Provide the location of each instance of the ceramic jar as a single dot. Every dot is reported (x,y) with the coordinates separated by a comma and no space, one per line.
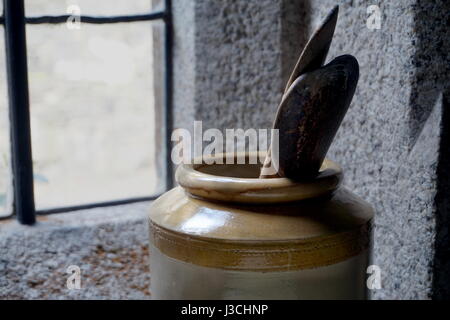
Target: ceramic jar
(225,234)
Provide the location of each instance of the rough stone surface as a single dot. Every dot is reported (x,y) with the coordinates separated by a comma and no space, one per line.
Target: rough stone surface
(184,62)
(230,63)
(392,141)
(108,244)
(389,143)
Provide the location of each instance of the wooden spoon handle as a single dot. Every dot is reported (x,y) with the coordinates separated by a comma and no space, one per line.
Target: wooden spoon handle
(315,52)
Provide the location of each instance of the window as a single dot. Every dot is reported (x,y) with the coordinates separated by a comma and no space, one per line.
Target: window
(86,120)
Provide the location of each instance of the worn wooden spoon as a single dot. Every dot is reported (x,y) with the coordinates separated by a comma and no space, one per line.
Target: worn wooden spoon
(312,57)
(309,117)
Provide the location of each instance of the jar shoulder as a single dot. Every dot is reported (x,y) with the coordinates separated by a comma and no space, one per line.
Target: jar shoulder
(340,212)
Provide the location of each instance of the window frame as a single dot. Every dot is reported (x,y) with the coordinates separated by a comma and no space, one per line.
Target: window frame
(14,21)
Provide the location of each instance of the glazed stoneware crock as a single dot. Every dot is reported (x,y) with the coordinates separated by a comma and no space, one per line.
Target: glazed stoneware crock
(225,234)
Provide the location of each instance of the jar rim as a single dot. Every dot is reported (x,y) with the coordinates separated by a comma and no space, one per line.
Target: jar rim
(207,185)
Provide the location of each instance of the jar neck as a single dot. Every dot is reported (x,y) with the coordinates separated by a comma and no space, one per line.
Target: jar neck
(240,183)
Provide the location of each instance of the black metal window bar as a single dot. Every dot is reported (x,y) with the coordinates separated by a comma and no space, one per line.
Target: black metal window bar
(14,21)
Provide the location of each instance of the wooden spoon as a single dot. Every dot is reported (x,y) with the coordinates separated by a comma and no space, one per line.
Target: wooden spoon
(309,116)
(312,57)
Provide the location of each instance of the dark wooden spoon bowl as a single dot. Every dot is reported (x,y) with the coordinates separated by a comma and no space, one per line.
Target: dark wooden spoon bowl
(309,116)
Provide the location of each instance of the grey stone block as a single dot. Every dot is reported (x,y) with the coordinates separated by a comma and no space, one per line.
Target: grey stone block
(232,59)
(390,141)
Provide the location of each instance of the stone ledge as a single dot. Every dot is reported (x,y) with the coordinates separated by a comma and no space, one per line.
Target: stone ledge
(108,244)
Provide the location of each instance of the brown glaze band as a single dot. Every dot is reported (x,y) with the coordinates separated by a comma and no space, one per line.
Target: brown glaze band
(262,256)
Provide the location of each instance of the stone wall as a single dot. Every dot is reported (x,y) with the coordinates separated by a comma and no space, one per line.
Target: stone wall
(232,59)
(390,141)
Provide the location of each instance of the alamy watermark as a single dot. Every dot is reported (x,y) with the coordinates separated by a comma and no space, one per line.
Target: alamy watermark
(373,22)
(74,20)
(206,146)
(74,280)
(374,280)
